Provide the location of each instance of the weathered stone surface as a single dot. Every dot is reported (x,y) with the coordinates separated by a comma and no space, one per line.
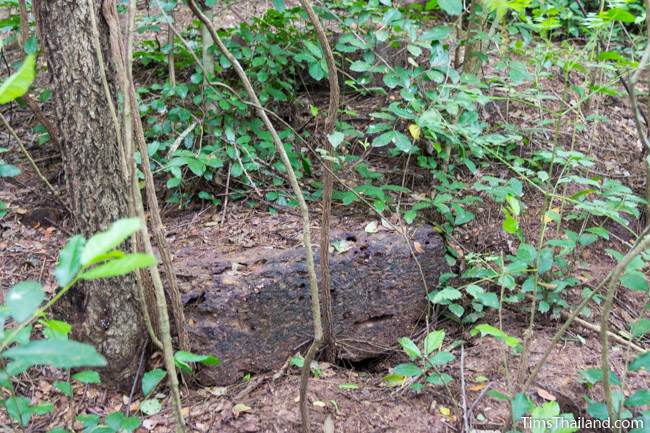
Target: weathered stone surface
(252,310)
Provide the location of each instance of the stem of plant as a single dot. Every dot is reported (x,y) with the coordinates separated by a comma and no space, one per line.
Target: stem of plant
(311,269)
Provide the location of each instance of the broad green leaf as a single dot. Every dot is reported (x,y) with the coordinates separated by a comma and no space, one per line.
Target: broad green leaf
(598,410)
(118,267)
(63,387)
(446,294)
(279,5)
(151,379)
(182,360)
(335,138)
(150,407)
(8,170)
(409,347)
(87,376)
(640,328)
(105,241)
(18,409)
(407,370)
(545,261)
(439,379)
(485,329)
(441,358)
(635,280)
(56,353)
(55,329)
(23,299)
(594,375)
(69,260)
(639,398)
(519,73)
(18,83)
(452,7)
(433,341)
(641,362)
(521,405)
(394,379)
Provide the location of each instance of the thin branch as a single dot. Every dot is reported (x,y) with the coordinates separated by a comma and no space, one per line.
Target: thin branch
(328,184)
(612,286)
(313,281)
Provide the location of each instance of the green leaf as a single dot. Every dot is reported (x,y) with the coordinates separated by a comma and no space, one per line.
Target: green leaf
(488,299)
(635,280)
(519,73)
(151,379)
(87,376)
(598,410)
(407,370)
(594,375)
(485,329)
(279,5)
(105,241)
(439,379)
(409,348)
(640,328)
(446,294)
(150,407)
(452,7)
(521,405)
(639,398)
(441,358)
(348,386)
(8,170)
(335,138)
(526,253)
(18,83)
(641,362)
(69,260)
(23,299)
(433,341)
(63,387)
(545,261)
(182,360)
(118,267)
(18,409)
(56,353)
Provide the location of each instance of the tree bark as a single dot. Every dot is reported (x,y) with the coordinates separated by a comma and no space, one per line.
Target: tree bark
(252,309)
(105,313)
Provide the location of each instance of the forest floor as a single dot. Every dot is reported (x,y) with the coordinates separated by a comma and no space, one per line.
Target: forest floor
(34,230)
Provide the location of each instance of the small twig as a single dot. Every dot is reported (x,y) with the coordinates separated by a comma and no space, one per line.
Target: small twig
(135,379)
(466,420)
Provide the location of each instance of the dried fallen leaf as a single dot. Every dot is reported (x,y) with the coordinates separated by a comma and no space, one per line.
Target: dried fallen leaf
(240,408)
(477,387)
(418,247)
(372,227)
(319,403)
(545,394)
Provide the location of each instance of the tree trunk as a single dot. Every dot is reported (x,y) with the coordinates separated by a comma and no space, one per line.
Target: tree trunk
(105,313)
(252,310)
